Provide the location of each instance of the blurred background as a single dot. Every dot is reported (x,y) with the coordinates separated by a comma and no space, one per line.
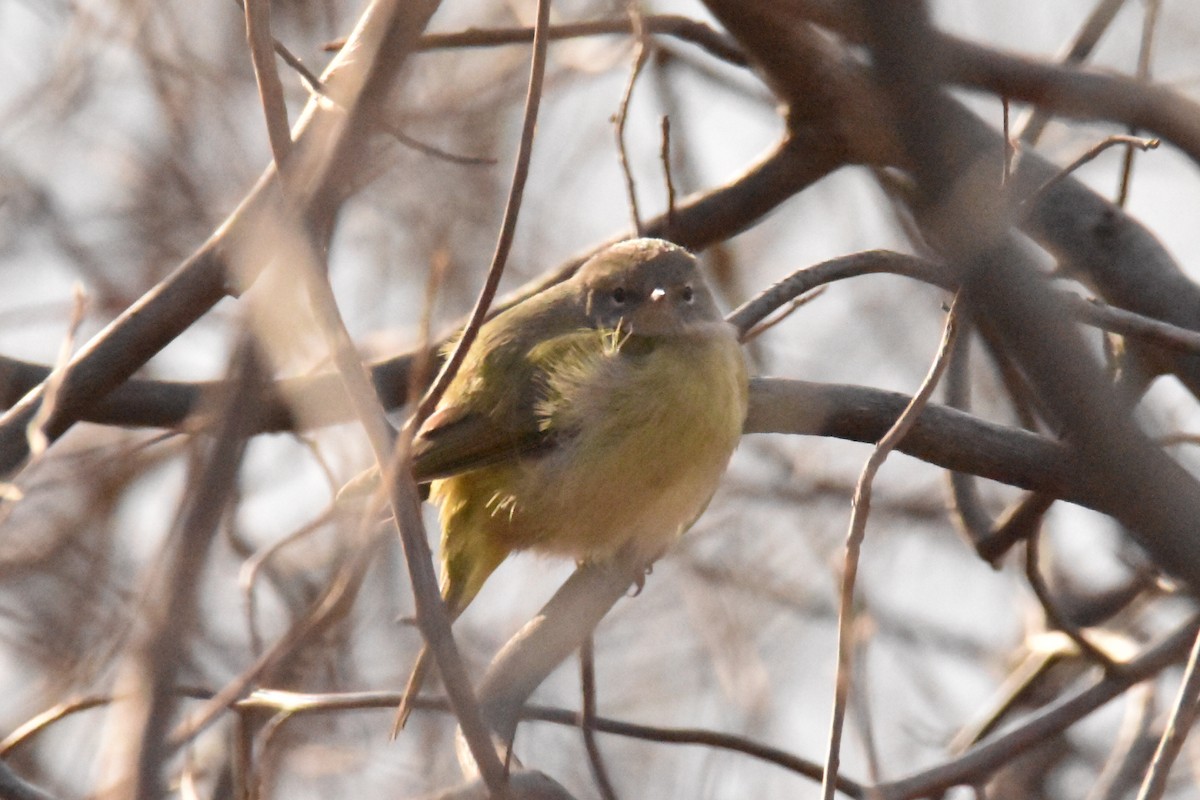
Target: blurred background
(129,129)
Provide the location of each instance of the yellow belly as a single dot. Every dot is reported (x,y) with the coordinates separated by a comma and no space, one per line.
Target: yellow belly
(652,436)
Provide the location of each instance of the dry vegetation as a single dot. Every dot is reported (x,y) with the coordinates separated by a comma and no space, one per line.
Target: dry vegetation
(196,354)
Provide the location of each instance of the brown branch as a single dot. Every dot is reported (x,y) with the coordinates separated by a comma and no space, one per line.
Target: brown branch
(836,105)
(270,88)
(149,403)
(1150,493)
(1092,152)
(173,594)
(665,157)
(854,539)
(977,764)
(966,505)
(640,54)
(432,616)
(683,28)
(395,465)
(1074,92)
(1131,752)
(1081,47)
(326,142)
(329,606)
(1149,24)
(700,737)
(802,281)
(1054,616)
(298,703)
(552,637)
(1183,715)
(35,431)
(587,719)
(1019,522)
(1066,90)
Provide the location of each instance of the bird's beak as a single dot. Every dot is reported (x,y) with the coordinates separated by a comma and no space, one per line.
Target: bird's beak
(657,294)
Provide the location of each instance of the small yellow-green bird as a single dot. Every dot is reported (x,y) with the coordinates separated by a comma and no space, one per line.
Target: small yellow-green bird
(597,414)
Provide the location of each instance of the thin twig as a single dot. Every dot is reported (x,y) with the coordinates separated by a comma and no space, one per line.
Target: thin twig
(298,703)
(1149,23)
(966,505)
(316,86)
(1131,751)
(533,98)
(665,156)
(1187,703)
(1010,146)
(970,768)
(977,764)
(291,59)
(641,54)
(854,540)
(874,262)
(1054,617)
(329,606)
(1020,521)
(270,88)
(256,776)
(867,262)
(791,308)
(421,373)
(1085,41)
(241,757)
(862,709)
(249,571)
(686,29)
(39,722)
(1092,152)
(35,430)
(174,593)
(432,615)
(587,719)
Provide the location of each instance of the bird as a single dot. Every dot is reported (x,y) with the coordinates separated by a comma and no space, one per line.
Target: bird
(595,416)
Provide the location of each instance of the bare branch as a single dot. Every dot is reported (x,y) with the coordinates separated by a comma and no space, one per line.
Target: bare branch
(854,540)
(1183,715)
(270,88)
(325,140)
(640,54)
(587,719)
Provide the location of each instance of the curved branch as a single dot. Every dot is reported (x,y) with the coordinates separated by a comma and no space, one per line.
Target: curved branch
(976,765)
(1065,89)
(680,27)
(325,143)
(833,99)
(1150,493)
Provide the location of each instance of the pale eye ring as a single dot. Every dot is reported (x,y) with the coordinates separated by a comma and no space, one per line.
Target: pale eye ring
(619,295)
(688,294)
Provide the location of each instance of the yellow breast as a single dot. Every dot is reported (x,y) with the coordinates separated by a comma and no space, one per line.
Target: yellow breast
(649,436)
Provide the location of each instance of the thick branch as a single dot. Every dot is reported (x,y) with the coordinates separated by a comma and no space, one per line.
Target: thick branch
(326,142)
(1152,495)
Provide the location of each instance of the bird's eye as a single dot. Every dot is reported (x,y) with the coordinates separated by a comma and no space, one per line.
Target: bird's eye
(688,294)
(619,295)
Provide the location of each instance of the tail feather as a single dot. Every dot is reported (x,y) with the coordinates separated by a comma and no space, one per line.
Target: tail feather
(467,563)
